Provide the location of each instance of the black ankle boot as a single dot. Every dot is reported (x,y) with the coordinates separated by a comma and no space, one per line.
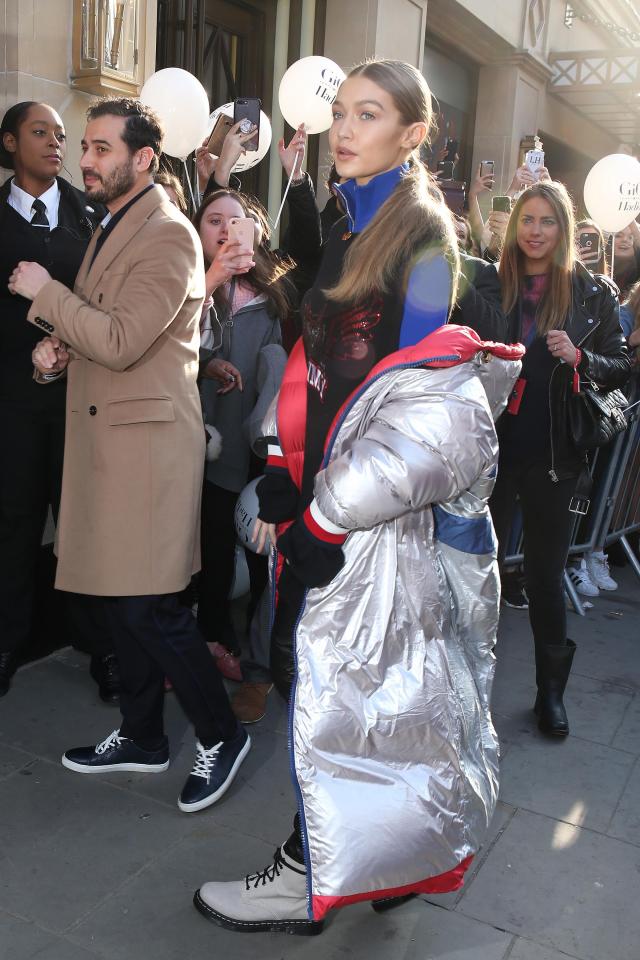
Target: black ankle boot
(553,669)
(6,671)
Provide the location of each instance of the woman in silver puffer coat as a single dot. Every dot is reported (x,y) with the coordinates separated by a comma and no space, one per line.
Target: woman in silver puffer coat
(382,456)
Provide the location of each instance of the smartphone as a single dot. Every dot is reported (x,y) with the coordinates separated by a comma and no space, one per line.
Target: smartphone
(242,230)
(218,135)
(452,149)
(501,204)
(248,109)
(591,241)
(534,159)
(445,169)
(486,168)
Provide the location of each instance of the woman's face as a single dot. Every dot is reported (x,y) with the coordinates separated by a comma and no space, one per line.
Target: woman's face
(39,147)
(367,136)
(462,233)
(624,244)
(538,233)
(215,223)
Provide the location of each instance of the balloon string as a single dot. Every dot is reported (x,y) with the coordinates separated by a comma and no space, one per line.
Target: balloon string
(613,251)
(291,176)
(186,173)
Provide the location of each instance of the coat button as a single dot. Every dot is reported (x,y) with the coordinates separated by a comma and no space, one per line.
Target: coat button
(589,320)
(595,289)
(93,410)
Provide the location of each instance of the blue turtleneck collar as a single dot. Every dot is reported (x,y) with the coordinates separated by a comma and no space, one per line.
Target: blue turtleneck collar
(362,203)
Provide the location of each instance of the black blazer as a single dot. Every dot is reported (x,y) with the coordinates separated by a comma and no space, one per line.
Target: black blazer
(61,251)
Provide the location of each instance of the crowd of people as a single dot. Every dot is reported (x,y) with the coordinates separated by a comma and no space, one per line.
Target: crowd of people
(400,379)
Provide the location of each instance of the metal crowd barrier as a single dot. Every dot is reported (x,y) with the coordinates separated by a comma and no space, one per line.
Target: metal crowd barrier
(614,511)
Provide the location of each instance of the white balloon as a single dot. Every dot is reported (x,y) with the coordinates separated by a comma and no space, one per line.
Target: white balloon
(246,514)
(182,104)
(252,157)
(307,92)
(612,191)
(241,583)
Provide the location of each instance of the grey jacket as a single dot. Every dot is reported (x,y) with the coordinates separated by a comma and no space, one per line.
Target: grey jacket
(244,338)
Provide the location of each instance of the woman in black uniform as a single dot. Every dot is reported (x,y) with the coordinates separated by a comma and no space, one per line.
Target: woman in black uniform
(42,218)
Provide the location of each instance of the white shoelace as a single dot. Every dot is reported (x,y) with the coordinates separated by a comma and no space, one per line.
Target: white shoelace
(205,760)
(113,740)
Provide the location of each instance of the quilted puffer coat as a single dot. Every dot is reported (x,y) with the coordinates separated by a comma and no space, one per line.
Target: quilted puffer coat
(394,756)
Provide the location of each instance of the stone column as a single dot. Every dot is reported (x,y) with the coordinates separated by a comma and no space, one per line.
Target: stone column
(394,29)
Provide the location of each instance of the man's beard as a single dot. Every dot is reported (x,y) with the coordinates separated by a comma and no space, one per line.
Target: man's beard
(117,183)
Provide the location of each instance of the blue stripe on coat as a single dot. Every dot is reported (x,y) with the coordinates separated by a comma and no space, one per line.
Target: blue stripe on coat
(467,534)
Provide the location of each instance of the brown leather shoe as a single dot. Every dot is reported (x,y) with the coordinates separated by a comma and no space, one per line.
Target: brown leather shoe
(250,702)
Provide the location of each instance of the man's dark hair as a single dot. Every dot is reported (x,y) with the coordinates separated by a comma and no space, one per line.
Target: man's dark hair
(143,128)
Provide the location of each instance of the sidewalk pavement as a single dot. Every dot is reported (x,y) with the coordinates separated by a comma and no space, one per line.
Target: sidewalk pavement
(106,866)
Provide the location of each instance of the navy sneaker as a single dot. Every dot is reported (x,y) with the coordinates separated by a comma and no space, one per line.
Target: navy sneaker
(214,772)
(117,753)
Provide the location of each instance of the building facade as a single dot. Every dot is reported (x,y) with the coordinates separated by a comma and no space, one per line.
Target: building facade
(501,72)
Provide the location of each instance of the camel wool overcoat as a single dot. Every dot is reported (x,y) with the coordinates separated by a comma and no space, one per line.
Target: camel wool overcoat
(134,449)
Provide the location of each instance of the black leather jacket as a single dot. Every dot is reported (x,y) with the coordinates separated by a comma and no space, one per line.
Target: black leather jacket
(594,326)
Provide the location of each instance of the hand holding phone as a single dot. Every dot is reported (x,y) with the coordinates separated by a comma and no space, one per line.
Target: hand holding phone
(534,159)
(452,150)
(589,246)
(242,230)
(486,168)
(218,135)
(501,204)
(248,109)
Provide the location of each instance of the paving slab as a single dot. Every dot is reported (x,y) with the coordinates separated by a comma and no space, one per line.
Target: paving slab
(527,950)
(12,760)
(572,780)
(627,736)
(260,801)
(565,888)
(54,705)
(155,907)
(596,708)
(625,824)
(67,841)
(501,818)
(20,939)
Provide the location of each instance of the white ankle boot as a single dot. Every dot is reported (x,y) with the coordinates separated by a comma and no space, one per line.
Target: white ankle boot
(272,899)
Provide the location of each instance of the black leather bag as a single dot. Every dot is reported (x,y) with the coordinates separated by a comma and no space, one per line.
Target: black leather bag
(596,416)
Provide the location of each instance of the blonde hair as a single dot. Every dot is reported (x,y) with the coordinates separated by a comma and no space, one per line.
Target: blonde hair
(412,219)
(555,305)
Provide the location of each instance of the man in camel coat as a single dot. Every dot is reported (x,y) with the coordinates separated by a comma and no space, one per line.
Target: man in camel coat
(127,339)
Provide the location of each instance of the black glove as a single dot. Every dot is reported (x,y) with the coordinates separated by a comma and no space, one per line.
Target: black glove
(278,497)
(313,561)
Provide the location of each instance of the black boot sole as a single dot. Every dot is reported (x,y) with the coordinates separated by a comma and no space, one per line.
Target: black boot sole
(301,928)
(390,903)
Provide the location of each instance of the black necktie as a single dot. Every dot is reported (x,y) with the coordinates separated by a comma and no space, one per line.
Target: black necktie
(39,219)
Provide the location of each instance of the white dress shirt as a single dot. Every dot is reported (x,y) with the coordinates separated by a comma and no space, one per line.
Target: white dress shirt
(22,202)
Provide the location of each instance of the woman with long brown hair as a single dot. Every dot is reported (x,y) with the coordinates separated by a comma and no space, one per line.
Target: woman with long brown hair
(382,452)
(568,320)
(246,300)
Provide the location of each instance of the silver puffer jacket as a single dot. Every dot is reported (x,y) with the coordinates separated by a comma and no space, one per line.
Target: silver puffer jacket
(394,755)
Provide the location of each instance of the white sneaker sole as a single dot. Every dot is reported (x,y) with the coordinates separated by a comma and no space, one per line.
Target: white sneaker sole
(208,801)
(115,767)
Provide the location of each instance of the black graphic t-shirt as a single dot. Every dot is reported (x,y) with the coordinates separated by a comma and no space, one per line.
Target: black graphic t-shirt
(342,345)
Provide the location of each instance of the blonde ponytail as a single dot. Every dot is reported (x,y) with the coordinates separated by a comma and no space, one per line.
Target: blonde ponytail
(408,224)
